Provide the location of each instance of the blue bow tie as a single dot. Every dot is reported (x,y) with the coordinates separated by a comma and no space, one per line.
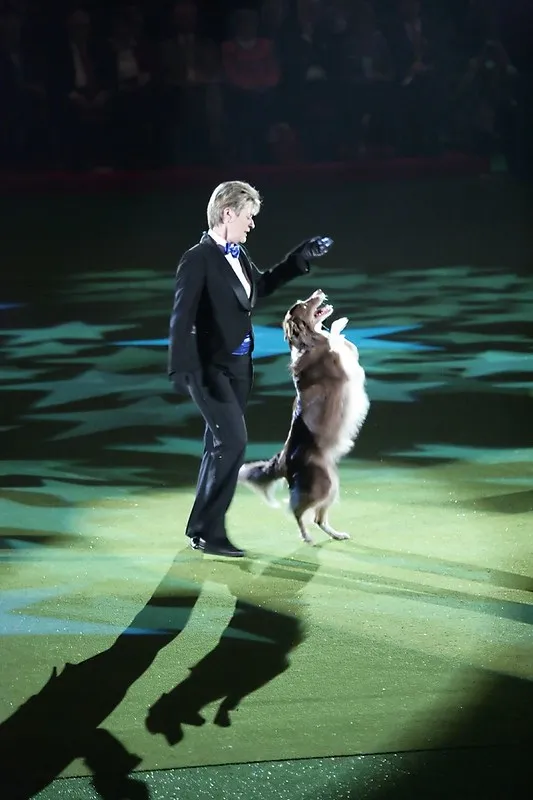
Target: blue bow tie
(233,249)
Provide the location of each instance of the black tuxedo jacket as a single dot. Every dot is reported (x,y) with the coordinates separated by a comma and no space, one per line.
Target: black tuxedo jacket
(212,312)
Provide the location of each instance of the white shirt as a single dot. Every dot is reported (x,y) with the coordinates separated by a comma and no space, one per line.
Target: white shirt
(234,263)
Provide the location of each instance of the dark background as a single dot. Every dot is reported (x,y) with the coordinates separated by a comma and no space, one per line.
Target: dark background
(314,98)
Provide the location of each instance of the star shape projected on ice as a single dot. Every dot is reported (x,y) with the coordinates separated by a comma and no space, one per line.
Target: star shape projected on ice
(121,360)
(93,384)
(17,374)
(9,306)
(475,455)
(270,341)
(76,471)
(40,469)
(152,412)
(494,362)
(68,331)
(77,492)
(165,444)
(44,348)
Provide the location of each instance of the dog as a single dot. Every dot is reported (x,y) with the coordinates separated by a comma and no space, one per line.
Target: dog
(329,410)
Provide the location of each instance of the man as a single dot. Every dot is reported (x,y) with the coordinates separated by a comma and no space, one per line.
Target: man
(211,343)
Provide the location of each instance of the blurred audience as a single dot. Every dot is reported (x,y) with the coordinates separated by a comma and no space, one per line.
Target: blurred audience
(23,107)
(138,84)
(309,99)
(131,67)
(416,45)
(367,75)
(252,76)
(191,97)
(78,88)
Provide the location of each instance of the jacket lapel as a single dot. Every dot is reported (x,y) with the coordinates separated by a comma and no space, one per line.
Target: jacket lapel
(232,279)
(246,264)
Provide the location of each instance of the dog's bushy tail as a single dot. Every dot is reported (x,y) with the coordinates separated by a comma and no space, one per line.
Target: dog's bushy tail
(262,476)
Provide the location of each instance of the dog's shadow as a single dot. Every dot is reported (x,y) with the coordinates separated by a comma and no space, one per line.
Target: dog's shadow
(253,650)
(61,722)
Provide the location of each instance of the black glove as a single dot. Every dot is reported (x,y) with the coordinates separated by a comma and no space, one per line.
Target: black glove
(314,248)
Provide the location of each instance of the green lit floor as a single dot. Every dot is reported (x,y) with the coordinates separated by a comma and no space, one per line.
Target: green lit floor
(413,638)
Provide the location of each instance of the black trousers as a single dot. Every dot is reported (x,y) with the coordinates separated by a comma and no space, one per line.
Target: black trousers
(221,394)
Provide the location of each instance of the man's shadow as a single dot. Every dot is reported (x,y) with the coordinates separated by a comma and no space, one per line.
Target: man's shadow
(254,648)
(62,722)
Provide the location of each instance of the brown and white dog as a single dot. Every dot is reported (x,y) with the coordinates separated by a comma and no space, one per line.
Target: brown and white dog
(330,407)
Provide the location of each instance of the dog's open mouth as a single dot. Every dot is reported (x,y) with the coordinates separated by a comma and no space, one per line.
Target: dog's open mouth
(323,310)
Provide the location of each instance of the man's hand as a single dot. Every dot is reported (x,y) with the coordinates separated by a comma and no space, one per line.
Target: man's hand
(314,248)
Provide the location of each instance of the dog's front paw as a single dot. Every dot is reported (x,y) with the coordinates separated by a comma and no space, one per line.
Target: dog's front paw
(339,535)
(338,326)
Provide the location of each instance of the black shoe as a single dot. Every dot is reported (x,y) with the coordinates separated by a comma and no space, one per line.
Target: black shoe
(225,549)
(196,543)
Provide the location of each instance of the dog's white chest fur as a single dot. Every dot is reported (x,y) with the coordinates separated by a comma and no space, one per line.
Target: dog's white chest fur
(356,402)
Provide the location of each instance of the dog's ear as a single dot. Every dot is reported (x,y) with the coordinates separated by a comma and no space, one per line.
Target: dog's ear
(289,328)
(294,329)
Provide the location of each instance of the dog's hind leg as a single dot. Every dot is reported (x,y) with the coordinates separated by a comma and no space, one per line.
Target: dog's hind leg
(304,533)
(318,491)
(300,503)
(321,519)
(321,512)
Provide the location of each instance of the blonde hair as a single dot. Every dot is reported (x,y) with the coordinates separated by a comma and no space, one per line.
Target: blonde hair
(231,194)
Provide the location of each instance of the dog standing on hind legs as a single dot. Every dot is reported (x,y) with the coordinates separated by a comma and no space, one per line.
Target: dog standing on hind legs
(329,410)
